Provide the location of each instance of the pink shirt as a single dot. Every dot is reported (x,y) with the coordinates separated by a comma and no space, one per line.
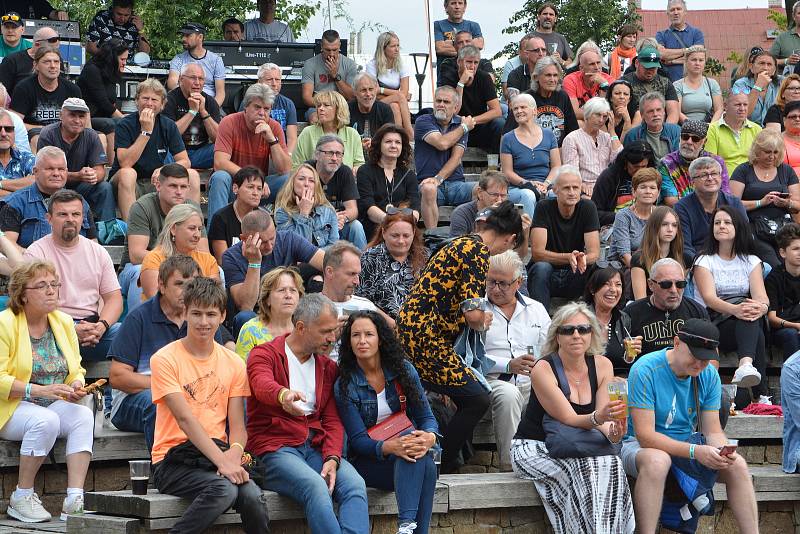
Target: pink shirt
(85,270)
(792,154)
(580,150)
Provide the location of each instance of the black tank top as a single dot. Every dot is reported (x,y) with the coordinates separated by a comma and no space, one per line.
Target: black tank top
(530,426)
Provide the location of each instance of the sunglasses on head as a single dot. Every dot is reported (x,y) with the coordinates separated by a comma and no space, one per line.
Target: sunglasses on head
(756,50)
(391,210)
(10,18)
(569,329)
(666,284)
(52,40)
(694,138)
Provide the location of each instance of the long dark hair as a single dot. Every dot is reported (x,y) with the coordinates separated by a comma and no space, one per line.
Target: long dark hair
(391,354)
(107,59)
(404,160)
(598,279)
(504,219)
(742,241)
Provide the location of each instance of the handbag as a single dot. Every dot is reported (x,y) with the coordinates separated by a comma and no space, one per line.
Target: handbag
(766,229)
(564,441)
(188,454)
(394,425)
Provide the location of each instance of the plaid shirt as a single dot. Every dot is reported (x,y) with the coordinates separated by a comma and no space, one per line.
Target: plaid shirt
(20,165)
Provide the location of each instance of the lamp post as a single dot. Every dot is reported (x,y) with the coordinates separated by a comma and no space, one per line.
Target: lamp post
(420,73)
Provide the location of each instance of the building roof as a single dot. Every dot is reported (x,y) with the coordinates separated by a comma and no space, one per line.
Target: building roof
(725,31)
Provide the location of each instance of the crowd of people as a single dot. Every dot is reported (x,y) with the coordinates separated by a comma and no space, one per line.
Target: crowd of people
(308,334)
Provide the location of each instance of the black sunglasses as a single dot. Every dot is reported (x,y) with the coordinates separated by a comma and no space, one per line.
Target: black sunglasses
(666,284)
(568,330)
(52,40)
(7,128)
(694,138)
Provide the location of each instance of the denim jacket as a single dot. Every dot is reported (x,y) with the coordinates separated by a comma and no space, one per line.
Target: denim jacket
(321,228)
(358,410)
(30,204)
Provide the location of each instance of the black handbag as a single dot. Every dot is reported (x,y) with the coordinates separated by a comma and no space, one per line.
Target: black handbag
(188,454)
(564,441)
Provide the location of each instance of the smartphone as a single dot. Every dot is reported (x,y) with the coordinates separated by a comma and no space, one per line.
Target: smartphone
(519,207)
(727,450)
(783,195)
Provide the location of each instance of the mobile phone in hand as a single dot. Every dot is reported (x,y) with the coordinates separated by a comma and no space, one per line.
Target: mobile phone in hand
(727,450)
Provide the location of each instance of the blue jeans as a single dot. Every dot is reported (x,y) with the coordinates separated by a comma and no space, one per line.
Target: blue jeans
(239,319)
(526,197)
(99,352)
(545,281)
(295,473)
(275,183)
(201,157)
(100,197)
(129,282)
(137,413)
(354,232)
(413,484)
(788,339)
(454,192)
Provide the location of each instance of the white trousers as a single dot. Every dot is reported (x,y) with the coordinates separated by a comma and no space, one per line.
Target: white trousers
(508,401)
(38,427)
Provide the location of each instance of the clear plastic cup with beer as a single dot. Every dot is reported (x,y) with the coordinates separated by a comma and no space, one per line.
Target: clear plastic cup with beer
(618,390)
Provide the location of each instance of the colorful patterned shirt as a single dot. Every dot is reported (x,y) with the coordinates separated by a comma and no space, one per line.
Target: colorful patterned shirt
(19,166)
(252,334)
(674,171)
(49,364)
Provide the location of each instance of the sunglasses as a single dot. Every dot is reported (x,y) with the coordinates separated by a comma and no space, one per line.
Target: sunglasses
(7,128)
(568,330)
(391,210)
(666,284)
(694,138)
(52,40)
(756,50)
(10,18)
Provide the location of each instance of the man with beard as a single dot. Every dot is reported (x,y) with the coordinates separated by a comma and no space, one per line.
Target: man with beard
(366,113)
(662,138)
(557,45)
(445,31)
(22,216)
(18,65)
(192,38)
(646,79)
(86,272)
(674,167)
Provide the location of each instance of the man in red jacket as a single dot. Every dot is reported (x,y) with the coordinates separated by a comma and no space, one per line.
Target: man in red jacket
(293,424)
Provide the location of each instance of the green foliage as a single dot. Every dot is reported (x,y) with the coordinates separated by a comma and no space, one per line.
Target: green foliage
(714,67)
(578,21)
(780,20)
(161,21)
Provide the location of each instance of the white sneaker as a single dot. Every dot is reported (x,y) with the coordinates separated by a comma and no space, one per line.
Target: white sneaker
(407,528)
(72,508)
(763,399)
(746,376)
(28,509)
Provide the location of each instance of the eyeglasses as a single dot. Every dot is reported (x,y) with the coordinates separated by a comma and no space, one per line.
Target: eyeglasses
(500,284)
(10,18)
(52,40)
(666,284)
(195,78)
(568,330)
(332,153)
(497,196)
(793,88)
(707,176)
(44,285)
(391,210)
(694,138)
(7,128)
(792,117)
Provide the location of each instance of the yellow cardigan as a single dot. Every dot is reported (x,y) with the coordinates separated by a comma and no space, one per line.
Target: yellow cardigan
(16,355)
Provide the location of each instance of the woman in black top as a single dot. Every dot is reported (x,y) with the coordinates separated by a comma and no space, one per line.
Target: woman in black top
(614,188)
(574,503)
(387,180)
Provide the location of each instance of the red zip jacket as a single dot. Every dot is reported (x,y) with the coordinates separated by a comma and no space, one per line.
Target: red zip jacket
(269,427)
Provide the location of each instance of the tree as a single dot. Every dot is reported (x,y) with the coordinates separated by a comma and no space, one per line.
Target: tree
(162,19)
(578,21)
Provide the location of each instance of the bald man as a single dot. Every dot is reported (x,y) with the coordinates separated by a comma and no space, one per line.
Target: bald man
(19,65)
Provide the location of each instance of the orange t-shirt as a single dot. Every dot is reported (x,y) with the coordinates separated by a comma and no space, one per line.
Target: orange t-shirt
(207,385)
(792,154)
(207,262)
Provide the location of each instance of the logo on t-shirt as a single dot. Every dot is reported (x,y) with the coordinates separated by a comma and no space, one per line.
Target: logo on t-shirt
(323,78)
(206,390)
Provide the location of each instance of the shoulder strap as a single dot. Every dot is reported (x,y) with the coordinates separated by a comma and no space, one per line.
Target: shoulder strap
(695,388)
(678,37)
(563,383)
(400,395)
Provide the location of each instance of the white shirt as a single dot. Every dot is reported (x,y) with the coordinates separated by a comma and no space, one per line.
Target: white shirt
(731,277)
(507,339)
(383,407)
(303,378)
(391,78)
(347,307)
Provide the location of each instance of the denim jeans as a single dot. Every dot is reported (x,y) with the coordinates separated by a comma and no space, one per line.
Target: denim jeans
(220,193)
(239,319)
(211,495)
(454,192)
(413,483)
(129,282)
(789,341)
(100,197)
(201,157)
(99,352)
(295,473)
(275,183)
(354,232)
(137,413)
(526,197)
(545,281)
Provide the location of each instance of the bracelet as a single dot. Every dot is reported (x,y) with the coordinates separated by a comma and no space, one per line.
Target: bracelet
(105,324)
(615,138)
(783,323)
(281,393)
(691,451)
(465,128)
(2,233)
(381,90)
(208,116)
(193,113)
(758,204)
(254,266)
(593,418)
(236,444)
(759,89)
(508,366)
(334,458)
(28,387)
(146,133)
(459,84)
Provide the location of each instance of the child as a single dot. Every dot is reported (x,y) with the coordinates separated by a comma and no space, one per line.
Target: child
(198,386)
(783,290)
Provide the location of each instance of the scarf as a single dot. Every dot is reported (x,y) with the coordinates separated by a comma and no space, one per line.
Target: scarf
(615,63)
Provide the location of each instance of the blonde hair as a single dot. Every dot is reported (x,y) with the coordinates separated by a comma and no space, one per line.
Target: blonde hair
(268,283)
(154,86)
(20,279)
(335,99)
(382,63)
(780,101)
(767,140)
(695,49)
(286,197)
(177,215)
(598,344)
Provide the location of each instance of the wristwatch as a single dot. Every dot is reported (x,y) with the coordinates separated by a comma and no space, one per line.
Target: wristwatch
(146,133)
(338,78)
(273,143)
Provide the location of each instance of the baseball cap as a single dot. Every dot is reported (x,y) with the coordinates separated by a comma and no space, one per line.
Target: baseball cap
(702,338)
(192,27)
(649,57)
(12,17)
(75,104)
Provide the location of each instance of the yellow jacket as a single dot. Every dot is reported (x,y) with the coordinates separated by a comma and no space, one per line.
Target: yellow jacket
(16,355)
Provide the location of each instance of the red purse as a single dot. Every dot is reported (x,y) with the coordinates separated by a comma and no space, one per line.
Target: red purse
(395,424)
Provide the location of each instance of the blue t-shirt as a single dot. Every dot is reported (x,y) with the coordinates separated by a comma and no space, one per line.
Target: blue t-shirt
(289,249)
(429,160)
(284,112)
(444,30)
(653,386)
(688,36)
(165,139)
(530,163)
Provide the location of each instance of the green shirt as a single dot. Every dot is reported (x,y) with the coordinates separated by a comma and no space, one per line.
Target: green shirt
(785,43)
(307,142)
(6,50)
(723,141)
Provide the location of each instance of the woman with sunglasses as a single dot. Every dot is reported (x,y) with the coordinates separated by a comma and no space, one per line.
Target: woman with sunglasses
(700,97)
(42,381)
(376,382)
(302,207)
(662,238)
(791,135)
(447,298)
(730,283)
(619,96)
(788,92)
(388,180)
(769,190)
(614,188)
(393,261)
(760,84)
(575,491)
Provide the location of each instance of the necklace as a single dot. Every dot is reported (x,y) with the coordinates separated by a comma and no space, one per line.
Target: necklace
(395,185)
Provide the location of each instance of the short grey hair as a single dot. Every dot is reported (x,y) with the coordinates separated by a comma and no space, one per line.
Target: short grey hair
(259,91)
(664,262)
(451,90)
(598,344)
(311,307)
(647,97)
(572,170)
(364,75)
(328,138)
(186,66)
(508,261)
(646,41)
(543,64)
(334,254)
(267,67)
(3,111)
(49,152)
(469,51)
(525,97)
(671,2)
(256,222)
(703,162)
(595,106)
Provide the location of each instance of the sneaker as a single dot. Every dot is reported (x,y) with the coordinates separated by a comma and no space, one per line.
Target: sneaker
(763,399)
(72,508)
(746,376)
(407,528)
(28,509)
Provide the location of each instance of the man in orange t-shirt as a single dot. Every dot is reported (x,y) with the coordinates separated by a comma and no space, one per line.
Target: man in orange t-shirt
(198,386)
(588,81)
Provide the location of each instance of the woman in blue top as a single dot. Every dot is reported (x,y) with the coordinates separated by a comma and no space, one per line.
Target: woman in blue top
(529,153)
(301,206)
(760,84)
(374,379)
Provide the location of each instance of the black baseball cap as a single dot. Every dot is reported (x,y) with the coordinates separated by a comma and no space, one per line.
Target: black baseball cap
(12,17)
(702,338)
(192,27)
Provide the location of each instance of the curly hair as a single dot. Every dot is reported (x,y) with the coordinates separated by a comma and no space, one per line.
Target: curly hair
(391,353)
(418,254)
(404,161)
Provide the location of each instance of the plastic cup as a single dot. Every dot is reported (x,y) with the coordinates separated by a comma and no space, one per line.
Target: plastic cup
(630,350)
(493,161)
(140,476)
(437,460)
(618,390)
